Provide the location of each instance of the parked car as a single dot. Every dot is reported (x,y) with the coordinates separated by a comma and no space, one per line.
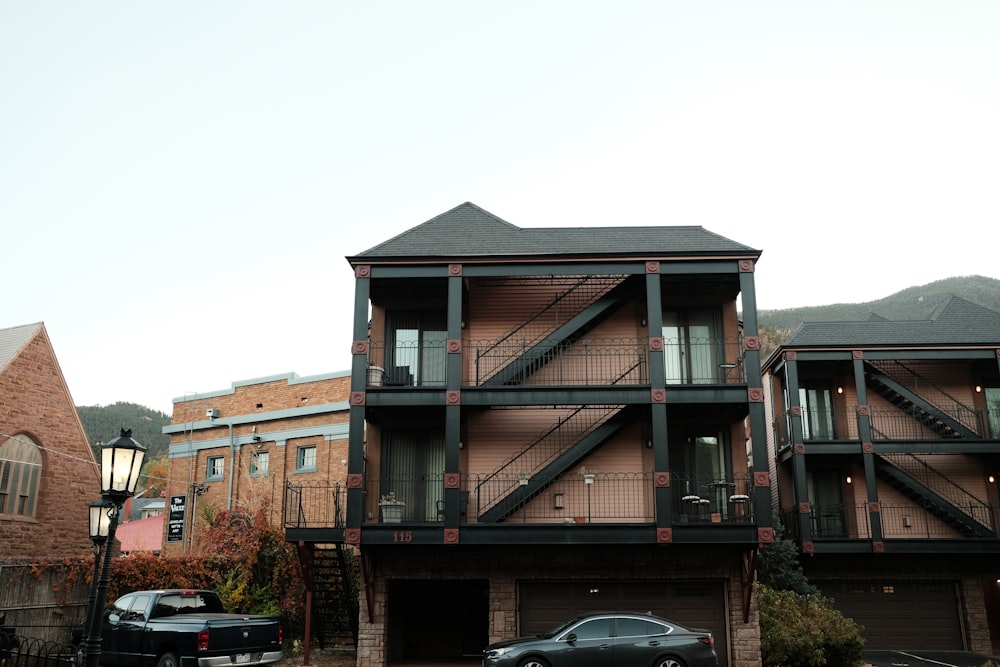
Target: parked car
(612,639)
(168,628)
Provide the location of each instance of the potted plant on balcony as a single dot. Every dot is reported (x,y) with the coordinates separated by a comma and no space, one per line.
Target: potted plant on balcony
(391,508)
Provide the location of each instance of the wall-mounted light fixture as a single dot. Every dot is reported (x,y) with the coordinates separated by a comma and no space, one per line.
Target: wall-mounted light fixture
(979,388)
(850,480)
(840,389)
(649,444)
(992,479)
(557,501)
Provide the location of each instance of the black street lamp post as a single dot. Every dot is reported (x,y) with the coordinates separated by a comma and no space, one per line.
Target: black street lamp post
(121,462)
(99,524)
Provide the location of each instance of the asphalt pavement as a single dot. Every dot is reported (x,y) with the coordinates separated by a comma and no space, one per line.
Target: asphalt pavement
(928,659)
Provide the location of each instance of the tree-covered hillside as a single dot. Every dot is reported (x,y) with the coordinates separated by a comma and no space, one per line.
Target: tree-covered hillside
(103,423)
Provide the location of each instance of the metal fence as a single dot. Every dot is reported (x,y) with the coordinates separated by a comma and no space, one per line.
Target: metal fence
(20,651)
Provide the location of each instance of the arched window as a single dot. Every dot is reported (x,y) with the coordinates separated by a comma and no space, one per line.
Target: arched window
(20,474)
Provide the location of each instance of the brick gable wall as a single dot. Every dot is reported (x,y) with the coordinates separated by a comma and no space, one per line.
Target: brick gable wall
(35,401)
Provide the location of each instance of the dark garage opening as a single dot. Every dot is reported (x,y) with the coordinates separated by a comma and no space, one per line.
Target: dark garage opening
(437,620)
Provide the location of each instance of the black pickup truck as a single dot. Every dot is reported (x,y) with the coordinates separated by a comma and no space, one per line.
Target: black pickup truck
(185,628)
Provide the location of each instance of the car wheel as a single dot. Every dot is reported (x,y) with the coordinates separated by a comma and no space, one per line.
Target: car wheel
(669,662)
(169,660)
(533,662)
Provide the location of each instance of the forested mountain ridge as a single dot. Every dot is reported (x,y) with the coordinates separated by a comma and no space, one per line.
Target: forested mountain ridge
(102,423)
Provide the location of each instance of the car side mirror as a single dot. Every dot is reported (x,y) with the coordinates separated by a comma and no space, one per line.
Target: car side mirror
(571,637)
(114,618)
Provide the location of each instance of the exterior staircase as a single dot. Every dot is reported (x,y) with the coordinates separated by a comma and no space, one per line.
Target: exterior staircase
(538,348)
(557,464)
(912,394)
(331,573)
(937,494)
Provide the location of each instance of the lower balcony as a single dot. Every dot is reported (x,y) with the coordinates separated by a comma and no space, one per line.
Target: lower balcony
(900,521)
(518,500)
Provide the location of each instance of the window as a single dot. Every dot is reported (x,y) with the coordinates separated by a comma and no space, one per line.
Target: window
(993,411)
(417,348)
(259,464)
(639,627)
(817,413)
(215,467)
(826,502)
(598,628)
(692,347)
(413,470)
(306,458)
(702,458)
(20,476)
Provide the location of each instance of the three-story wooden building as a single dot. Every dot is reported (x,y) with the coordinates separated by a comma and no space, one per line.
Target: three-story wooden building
(545,422)
(884,447)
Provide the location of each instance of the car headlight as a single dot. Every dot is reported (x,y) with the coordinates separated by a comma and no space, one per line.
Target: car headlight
(497,652)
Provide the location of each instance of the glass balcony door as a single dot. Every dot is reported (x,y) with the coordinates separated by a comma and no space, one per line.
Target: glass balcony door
(691,346)
(417,347)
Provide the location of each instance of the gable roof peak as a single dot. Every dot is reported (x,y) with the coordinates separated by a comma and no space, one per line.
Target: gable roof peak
(13,339)
(470,231)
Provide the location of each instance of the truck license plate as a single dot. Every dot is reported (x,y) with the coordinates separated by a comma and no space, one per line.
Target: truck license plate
(242,658)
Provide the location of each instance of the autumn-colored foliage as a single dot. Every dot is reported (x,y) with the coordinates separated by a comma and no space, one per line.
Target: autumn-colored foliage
(265,577)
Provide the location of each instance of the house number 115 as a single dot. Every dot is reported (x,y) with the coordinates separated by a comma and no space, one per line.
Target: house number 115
(402,536)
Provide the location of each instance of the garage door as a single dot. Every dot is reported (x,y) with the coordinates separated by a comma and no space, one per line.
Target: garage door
(901,615)
(544,605)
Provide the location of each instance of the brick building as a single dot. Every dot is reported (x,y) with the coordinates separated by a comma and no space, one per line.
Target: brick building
(48,474)
(240,447)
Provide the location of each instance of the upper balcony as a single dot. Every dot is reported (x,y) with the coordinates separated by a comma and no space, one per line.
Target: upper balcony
(556,363)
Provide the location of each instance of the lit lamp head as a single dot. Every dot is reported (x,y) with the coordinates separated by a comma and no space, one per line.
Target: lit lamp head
(121,462)
(99,521)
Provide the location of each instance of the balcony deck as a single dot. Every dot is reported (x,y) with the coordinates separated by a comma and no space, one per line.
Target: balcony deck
(616,507)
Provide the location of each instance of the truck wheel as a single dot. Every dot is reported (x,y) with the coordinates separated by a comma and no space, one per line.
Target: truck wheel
(169,660)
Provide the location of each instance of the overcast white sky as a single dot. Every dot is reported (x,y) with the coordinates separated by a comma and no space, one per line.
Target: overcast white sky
(181,181)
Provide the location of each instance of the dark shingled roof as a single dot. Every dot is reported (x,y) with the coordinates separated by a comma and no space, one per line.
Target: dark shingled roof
(469,231)
(956,322)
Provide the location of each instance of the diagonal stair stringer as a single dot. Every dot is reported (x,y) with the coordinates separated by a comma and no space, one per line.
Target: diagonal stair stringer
(545,476)
(933,502)
(572,330)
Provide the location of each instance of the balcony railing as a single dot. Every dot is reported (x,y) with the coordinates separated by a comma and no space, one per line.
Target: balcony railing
(900,521)
(886,424)
(626,497)
(585,362)
(591,361)
(315,504)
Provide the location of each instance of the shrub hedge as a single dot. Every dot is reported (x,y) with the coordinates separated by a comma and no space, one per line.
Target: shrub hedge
(804,630)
